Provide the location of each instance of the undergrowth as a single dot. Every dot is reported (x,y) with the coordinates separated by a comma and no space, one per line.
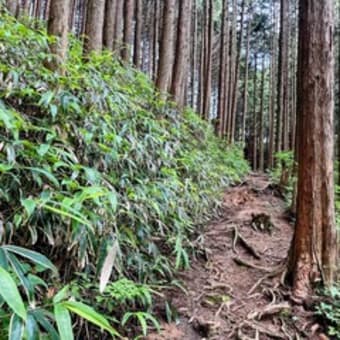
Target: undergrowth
(100,174)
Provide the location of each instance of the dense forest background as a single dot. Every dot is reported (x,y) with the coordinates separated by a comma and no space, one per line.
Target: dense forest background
(122,122)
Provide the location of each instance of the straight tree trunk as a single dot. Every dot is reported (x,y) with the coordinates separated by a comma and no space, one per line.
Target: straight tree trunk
(272,110)
(166,47)
(245,89)
(222,80)
(109,24)
(156,40)
(57,26)
(182,52)
(138,34)
(232,71)
(128,29)
(194,55)
(261,132)
(282,92)
(236,79)
(313,251)
(255,115)
(118,30)
(12,6)
(208,61)
(94,26)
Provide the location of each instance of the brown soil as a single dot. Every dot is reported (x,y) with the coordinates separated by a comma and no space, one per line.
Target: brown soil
(235,290)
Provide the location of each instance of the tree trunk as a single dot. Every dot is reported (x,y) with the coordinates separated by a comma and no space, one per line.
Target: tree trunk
(282,92)
(313,252)
(128,29)
(222,69)
(109,24)
(194,55)
(261,134)
(13,7)
(272,111)
(118,30)
(255,116)
(58,26)
(245,89)
(155,40)
(138,34)
(166,47)
(182,52)
(94,26)
(208,62)
(236,77)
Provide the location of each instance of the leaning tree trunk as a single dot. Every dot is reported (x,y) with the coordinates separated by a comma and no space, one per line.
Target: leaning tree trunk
(313,252)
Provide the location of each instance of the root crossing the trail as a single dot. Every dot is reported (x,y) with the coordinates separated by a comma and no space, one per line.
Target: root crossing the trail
(236,290)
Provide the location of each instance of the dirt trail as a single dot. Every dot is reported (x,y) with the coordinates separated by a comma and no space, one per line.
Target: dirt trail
(234,288)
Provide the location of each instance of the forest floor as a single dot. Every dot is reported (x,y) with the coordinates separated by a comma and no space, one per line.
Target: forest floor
(235,287)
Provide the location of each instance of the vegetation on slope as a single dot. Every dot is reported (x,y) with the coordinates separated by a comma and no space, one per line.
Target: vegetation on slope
(98,172)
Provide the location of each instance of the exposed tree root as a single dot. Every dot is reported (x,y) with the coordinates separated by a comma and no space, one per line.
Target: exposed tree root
(259,329)
(238,238)
(270,310)
(243,262)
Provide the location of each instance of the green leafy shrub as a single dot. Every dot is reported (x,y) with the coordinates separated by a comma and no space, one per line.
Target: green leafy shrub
(20,314)
(97,170)
(329,310)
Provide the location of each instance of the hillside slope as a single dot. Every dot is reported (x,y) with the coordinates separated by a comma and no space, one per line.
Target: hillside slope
(96,169)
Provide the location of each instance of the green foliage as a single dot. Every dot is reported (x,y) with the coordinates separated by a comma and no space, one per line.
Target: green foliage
(283,172)
(329,309)
(20,316)
(95,166)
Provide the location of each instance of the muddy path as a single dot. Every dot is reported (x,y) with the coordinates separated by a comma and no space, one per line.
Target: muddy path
(235,288)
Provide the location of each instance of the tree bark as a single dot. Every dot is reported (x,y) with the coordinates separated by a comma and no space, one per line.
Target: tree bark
(261,132)
(166,47)
(222,71)
(58,26)
(313,251)
(282,92)
(255,115)
(109,24)
(13,7)
(245,89)
(118,30)
(208,62)
(138,34)
(94,26)
(128,29)
(181,53)
(236,79)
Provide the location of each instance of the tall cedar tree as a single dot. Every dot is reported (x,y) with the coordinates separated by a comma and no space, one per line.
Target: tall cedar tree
(166,46)
(57,26)
(313,252)
(182,52)
(94,25)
